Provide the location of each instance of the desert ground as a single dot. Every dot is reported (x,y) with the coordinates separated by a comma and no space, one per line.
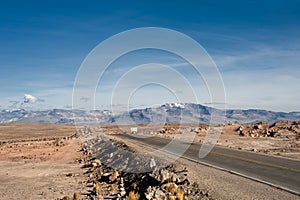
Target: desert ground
(281,138)
(44,161)
(37,161)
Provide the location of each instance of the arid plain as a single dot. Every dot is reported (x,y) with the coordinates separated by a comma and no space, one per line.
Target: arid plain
(47,161)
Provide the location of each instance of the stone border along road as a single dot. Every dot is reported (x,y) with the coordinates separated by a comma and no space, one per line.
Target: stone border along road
(243,164)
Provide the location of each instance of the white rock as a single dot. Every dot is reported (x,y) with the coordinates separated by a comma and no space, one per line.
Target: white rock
(152,163)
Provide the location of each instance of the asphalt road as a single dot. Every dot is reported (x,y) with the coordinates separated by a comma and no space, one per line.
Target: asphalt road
(277,171)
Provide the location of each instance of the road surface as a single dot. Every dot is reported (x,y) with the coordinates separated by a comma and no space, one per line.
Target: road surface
(277,171)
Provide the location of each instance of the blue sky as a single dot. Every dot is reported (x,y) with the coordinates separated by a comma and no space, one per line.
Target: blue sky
(255,45)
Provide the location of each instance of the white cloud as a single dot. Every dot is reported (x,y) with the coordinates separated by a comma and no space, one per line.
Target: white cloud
(30,99)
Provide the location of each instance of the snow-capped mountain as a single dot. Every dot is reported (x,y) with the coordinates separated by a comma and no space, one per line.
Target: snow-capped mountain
(166,113)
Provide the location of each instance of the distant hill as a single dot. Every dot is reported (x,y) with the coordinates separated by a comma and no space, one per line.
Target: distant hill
(168,113)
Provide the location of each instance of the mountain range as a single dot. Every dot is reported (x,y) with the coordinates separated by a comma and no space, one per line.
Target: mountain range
(166,113)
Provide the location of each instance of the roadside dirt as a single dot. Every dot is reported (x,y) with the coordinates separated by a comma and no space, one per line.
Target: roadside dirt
(41,167)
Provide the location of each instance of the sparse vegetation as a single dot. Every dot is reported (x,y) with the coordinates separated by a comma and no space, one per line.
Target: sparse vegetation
(133,196)
(66,198)
(174,192)
(76,196)
(96,188)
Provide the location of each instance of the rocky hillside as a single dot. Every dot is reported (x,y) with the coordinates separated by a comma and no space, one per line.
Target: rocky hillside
(166,113)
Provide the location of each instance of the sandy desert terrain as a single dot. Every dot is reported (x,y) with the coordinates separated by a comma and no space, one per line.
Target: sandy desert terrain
(44,161)
(36,161)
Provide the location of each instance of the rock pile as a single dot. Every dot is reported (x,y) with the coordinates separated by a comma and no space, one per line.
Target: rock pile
(200,130)
(167,130)
(114,171)
(280,128)
(172,130)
